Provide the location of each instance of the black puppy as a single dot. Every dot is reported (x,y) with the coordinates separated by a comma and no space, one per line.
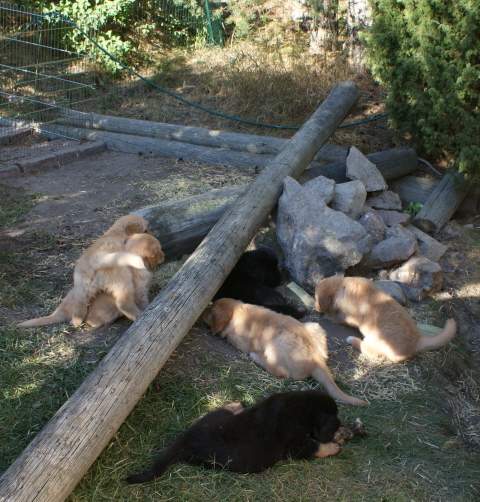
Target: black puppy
(298,424)
(253,280)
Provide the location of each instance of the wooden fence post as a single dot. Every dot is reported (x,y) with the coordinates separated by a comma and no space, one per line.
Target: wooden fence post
(57,458)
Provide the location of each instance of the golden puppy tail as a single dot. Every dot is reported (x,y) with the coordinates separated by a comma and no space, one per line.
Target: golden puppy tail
(439,340)
(120,259)
(62,313)
(322,374)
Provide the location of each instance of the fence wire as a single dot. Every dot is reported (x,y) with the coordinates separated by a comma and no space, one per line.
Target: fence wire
(42,80)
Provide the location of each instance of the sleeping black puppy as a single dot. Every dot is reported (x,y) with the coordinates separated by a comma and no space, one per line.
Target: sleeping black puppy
(297,424)
(253,280)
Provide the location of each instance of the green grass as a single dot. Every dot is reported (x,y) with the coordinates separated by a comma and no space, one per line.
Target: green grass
(410,452)
(14,203)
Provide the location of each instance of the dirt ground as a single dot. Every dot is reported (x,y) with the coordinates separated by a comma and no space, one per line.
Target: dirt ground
(80,201)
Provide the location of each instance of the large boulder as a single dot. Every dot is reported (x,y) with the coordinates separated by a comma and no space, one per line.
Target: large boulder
(317,241)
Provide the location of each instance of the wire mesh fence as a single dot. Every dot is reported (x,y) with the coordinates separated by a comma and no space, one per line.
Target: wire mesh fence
(41,81)
(50,65)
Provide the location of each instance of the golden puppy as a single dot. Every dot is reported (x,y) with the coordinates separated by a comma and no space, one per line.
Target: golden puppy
(278,343)
(103,309)
(386,327)
(105,254)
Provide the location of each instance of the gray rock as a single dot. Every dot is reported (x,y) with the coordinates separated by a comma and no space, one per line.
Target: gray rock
(393,289)
(360,168)
(350,198)
(324,187)
(391,218)
(385,200)
(419,277)
(392,251)
(317,241)
(374,225)
(399,231)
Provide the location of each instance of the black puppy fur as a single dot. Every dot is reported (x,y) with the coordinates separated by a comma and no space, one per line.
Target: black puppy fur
(253,280)
(286,425)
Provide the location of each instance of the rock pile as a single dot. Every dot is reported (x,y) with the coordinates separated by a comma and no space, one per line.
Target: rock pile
(326,228)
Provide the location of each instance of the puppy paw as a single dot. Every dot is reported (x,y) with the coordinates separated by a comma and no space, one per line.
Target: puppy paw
(327,450)
(235,408)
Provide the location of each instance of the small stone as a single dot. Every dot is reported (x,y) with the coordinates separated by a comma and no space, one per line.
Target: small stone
(393,289)
(350,198)
(391,218)
(385,200)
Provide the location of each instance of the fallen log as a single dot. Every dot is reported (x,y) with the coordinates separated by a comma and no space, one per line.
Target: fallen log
(57,458)
(416,189)
(391,163)
(250,143)
(140,145)
(181,225)
(442,203)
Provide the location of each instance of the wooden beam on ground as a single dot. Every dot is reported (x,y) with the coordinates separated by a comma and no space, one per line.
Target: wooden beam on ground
(58,457)
(181,225)
(442,203)
(416,189)
(391,163)
(249,143)
(140,145)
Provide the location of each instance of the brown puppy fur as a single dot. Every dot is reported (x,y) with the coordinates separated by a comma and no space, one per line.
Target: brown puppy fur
(107,251)
(102,309)
(280,344)
(386,327)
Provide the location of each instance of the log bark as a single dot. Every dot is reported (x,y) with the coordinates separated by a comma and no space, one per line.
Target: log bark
(181,225)
(391,163)
(416,189)
(60,454)
(442,203)
(249,143)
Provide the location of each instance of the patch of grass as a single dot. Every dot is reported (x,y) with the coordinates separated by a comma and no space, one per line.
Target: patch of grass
(38,372)
(410,453)
(14,203)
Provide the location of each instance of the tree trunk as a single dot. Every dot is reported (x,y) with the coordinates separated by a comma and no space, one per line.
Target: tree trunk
(181,225)
(60,454)
(442,203)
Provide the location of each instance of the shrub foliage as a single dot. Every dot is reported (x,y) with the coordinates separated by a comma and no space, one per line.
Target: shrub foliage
(427,52)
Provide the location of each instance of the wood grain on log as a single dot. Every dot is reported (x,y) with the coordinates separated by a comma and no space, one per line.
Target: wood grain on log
(442,203)
(416,189)
(57,458)
(249,143)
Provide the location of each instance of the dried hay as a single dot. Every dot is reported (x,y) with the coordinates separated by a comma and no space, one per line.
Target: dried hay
(195,179)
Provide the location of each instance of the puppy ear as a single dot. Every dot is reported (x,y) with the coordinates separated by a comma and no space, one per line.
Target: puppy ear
(155,258)
(217,317)
(134,227)
(323,297)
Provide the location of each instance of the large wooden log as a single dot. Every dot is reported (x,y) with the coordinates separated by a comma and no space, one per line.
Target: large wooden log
(250,143)
(416,189)
(181,225)
(60,454)
(391,163)
(139,145)
(442,203)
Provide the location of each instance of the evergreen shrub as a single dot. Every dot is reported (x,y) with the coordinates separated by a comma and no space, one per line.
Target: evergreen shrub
(427,53)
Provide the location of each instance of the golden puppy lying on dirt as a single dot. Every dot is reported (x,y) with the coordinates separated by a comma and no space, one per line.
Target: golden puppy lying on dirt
(132,282)
(386,327)
(278,343)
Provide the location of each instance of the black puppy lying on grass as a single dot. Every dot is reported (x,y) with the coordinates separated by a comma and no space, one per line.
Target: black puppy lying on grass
(297,424)
(253,280)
